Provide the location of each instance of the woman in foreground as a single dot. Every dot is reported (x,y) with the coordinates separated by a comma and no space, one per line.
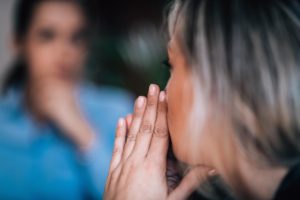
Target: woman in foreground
(232,100)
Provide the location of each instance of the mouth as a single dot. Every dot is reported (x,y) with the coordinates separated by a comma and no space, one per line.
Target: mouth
(65,73)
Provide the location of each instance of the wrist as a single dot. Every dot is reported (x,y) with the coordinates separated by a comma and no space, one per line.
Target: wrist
(76,128)
(83,137)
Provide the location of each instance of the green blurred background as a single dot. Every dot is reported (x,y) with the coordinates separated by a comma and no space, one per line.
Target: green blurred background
(129,45)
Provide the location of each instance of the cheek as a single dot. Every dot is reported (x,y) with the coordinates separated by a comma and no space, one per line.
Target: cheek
(185,142)
(178,106)
(77,57)
(40,59)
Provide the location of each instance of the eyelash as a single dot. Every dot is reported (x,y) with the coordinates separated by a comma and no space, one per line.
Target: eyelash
(47,35)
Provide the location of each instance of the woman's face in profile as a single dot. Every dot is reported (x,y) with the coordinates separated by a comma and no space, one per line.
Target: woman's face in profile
(55,44)
(180,97)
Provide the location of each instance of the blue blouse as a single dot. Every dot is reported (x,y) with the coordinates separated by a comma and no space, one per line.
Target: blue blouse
(38,163)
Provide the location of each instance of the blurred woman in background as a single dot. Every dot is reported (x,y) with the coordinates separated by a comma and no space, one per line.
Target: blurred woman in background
(57,131)
(233,105)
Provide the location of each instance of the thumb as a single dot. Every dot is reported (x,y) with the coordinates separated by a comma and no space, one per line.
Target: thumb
(191,182)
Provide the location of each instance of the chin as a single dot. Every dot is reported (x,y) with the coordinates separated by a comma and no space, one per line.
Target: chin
(181,153)
(178,140)
(184,152)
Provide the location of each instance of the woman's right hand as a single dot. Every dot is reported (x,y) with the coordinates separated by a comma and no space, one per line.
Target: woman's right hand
(139,163)
(53,99)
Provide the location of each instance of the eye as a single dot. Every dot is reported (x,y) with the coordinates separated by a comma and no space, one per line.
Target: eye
(46,35)
(80,37)
(167,64)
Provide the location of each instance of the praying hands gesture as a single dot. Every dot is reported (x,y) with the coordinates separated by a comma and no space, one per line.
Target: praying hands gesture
(139,164)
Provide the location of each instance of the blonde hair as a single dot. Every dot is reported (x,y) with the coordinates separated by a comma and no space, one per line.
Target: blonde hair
(245,54)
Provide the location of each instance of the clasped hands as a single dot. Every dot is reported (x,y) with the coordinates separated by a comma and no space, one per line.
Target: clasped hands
(139,163)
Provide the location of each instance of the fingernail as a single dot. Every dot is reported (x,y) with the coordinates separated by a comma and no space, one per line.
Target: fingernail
(152,89)
(121,122)
(162,96)
(140,102)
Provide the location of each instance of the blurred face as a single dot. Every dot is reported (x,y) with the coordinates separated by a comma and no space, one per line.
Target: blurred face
(55,45)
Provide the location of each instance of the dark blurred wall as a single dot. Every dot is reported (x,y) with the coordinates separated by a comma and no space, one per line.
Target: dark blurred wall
(119,15)
(127,49)
(129,46)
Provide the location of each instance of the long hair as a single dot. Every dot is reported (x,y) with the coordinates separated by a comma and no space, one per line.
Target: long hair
(245,58)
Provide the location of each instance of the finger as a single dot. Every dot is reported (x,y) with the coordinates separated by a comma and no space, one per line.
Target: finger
(119,144)
(190,183)
(128,120)
(139,109)
(160,140)
(146,129)
(118,150)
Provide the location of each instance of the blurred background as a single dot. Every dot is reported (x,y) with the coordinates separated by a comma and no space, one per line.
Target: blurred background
(40,157)
(127,49)
(6,10)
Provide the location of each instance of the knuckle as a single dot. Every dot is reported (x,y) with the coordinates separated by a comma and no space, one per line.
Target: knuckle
(131,137)
(160,132)
(138,113)
(162,109)
(130,165)
(116,151)
(119,134)
(152,102)
(146,127)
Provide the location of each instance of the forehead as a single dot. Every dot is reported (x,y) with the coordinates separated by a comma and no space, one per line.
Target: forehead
(58,14)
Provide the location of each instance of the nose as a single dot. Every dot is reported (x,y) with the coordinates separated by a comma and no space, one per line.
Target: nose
(65,49)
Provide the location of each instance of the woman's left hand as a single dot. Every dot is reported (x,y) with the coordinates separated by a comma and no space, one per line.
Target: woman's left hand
(138,166)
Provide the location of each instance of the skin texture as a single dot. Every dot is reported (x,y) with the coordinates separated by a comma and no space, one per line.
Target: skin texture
(138,166)
(54,51)
(179,97)
(180,100)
